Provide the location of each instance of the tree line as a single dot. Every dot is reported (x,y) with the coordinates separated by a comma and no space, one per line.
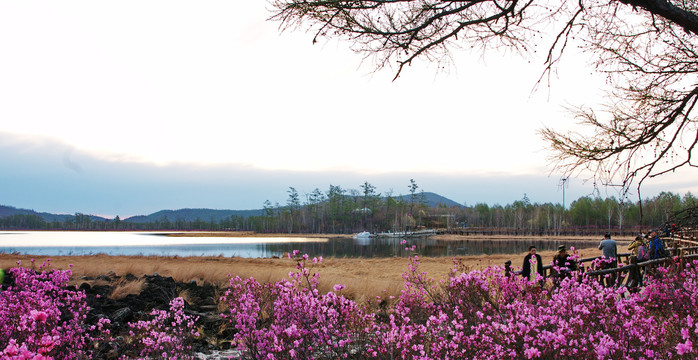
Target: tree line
(343,211)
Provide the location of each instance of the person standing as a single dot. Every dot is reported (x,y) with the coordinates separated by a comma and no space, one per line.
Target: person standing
(656,246)
(562,263)
(609,250)
(532,265)
(640,249)
(635,246)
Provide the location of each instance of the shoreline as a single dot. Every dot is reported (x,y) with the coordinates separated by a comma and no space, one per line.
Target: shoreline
(363,277)
(438,236)
(253,234)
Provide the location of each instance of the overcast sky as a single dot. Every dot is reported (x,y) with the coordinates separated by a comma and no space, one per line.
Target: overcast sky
(129,107)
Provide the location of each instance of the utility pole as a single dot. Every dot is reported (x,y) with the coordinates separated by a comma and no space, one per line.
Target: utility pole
(563,192)
(562,216)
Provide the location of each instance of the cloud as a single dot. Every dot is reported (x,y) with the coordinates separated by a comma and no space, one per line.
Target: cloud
(69,163)
(39,177)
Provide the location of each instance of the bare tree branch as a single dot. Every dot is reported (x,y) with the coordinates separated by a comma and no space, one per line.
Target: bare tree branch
(647,48)
(681,17)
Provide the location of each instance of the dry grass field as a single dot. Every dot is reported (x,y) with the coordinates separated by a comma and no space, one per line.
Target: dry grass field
(363,278)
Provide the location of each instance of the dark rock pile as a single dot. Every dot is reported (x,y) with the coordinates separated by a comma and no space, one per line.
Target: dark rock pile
(156,293)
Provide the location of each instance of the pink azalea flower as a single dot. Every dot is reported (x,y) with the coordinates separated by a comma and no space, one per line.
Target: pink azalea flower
(39,316)
(684,348)
(531,353)
(11,348)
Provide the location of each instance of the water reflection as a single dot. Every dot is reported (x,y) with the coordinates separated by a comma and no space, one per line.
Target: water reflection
(424,246)
(80,243)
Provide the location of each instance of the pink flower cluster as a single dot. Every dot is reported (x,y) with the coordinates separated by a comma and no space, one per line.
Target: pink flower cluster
(291,320)
(41,318)
(481,314)
(167,335)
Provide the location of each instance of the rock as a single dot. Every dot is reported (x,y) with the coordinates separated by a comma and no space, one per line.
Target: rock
(156,293)
(122,315)
(227,354)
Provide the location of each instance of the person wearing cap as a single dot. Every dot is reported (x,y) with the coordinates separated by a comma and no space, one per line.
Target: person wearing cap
(532,265)
(562,263)
(635,244)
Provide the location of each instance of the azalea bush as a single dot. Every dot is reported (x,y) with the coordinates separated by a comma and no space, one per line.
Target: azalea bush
(167,335)
(484,314)
(290,319)
(40,317)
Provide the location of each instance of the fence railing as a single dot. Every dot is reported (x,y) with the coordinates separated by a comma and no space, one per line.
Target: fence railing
(631,274)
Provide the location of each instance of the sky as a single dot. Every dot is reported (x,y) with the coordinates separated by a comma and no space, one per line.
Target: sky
(126,108)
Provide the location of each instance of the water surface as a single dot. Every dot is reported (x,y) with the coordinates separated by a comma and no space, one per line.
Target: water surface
(53,243)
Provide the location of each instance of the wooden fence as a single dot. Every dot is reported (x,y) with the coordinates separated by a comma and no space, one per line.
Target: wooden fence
(631,274)
(567,231)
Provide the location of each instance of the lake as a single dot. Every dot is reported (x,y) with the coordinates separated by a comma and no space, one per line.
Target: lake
(53,243)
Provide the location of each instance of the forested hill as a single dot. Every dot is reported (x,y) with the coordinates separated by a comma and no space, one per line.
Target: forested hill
(171,215)
(428,198)
(192,215)
(340,213)
(7,211)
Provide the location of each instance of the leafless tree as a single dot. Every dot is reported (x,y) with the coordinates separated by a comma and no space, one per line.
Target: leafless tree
(648,128)
(647,49)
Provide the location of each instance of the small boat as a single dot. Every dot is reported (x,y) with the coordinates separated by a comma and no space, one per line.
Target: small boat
(362,235)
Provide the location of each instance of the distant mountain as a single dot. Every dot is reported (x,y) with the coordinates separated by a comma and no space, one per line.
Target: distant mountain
(431,199)
(48,217)
(192,215)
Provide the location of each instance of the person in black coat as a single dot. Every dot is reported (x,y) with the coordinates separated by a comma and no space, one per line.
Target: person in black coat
(527,264)
(562,263)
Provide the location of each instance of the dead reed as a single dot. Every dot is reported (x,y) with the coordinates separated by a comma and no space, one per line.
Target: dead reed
(123,288)
(364,278)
